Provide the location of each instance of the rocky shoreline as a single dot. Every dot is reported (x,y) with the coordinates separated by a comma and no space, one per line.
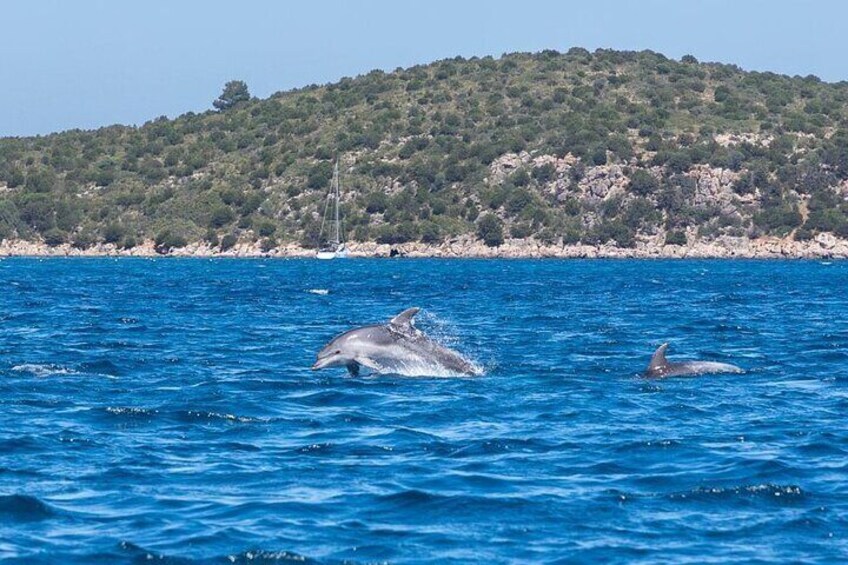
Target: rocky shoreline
(822,246)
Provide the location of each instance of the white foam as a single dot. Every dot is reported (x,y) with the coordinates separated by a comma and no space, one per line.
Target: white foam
(43,369)
(319,291)
(424,369)
(50,370)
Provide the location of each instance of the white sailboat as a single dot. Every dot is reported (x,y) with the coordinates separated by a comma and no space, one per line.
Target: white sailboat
(335,247)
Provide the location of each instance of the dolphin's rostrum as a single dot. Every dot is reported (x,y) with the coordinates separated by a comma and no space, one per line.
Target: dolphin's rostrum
(661,367)
(396,347)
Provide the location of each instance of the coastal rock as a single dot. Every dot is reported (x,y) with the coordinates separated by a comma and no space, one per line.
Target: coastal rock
(826,240)
(823,245)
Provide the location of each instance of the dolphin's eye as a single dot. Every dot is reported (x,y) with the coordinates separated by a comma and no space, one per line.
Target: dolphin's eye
(338,351)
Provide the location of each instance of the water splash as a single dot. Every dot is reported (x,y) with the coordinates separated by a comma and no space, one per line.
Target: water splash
(430,369)
(44,369)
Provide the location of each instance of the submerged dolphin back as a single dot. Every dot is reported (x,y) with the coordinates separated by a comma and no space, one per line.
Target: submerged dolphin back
(660,367)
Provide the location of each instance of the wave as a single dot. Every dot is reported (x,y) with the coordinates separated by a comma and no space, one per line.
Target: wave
(25,508)
(502,445)
(315,449)
(252,556)
(131,411)
(448,503)
(191,416)
(264,556)
(765,491)
(101,367)
(194,415)
(319,291)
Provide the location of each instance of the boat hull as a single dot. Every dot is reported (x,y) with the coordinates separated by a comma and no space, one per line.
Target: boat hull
(325,254)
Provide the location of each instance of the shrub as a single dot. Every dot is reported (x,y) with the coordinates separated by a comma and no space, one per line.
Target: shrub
(54,237)
(401,233)
(267,244)
(544,173)
(675,237)
(520,230)
(803,234)
(643,183)
(599,155)
(679,162)
(166,240)
(826,220)
(221,216)
(320,175)
(113,233)
(490,230)
(82,240)
(129,242)
(228,241)
(266,228)
(15,178)
(519,178)
(518,201)
(41,181)
(640,213)
(376,202)
(610,230)
(431,232)
(779,219)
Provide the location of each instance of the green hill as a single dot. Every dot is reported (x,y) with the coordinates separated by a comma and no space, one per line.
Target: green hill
(586,147)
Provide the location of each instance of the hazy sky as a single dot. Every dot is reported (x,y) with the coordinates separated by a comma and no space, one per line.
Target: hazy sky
(88,63)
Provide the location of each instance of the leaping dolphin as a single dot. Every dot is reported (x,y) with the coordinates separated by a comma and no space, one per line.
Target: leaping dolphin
(396,347)
(661,367)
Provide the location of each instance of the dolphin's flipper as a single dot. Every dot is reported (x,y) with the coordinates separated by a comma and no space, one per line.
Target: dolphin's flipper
(658,361)
(353,369)
(403,321)
(369,363)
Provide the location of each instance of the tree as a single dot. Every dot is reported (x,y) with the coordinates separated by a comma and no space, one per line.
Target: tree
(235,91)
(490,230)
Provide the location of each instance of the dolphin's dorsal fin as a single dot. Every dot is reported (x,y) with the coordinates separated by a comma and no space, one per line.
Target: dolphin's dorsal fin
(403,321)
(658,360)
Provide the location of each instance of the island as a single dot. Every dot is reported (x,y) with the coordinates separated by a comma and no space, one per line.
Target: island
(577,154)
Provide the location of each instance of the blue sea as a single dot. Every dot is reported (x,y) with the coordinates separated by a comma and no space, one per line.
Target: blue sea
(165,410)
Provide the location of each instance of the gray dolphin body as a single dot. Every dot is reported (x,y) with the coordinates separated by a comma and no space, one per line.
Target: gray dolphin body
(661,367)
(391,348)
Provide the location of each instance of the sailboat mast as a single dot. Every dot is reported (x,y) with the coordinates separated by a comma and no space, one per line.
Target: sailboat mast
(336,182)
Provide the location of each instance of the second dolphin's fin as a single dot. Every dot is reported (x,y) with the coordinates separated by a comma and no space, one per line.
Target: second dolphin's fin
(403,321)
(658,360)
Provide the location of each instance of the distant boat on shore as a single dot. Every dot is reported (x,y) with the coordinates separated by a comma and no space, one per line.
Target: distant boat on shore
(335,247)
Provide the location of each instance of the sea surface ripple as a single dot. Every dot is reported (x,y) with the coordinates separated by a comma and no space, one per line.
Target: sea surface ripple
(164,409)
